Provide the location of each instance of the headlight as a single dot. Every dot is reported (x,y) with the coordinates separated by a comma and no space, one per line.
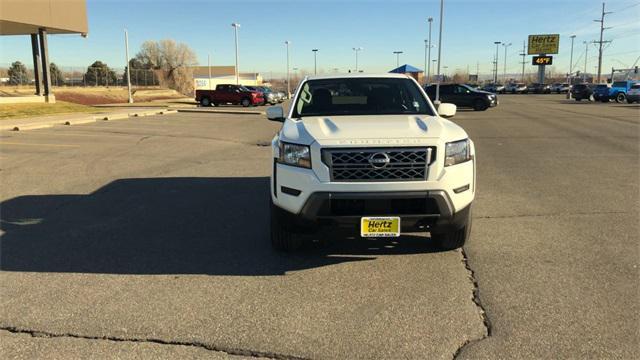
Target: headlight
(294,154)
(457,152)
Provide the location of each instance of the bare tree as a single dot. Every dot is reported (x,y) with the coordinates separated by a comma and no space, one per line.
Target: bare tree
(173,60)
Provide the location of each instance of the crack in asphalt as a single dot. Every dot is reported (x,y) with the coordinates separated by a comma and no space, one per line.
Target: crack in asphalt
(197,344)
(552,214)
(476,300)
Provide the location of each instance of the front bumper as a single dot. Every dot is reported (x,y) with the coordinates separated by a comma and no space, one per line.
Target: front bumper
(418,210)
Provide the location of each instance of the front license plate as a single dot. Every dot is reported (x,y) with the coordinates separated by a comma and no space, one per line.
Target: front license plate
(380,227)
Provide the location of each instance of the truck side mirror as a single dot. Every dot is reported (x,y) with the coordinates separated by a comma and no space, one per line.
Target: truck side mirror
(275,113)
(447,110)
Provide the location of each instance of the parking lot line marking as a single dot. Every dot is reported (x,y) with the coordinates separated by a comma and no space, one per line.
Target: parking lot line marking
(37,144)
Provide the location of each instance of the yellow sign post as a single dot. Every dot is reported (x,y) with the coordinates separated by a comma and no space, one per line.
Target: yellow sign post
(543,44)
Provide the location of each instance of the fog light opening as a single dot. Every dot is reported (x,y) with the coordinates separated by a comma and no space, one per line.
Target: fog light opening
(461,189)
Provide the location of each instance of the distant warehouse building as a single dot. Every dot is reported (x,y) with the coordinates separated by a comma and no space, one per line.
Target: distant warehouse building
(221,75)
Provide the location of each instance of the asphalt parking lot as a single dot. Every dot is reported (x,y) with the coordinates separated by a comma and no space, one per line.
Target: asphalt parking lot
(147,237)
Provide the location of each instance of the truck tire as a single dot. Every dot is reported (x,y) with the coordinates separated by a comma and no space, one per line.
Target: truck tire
(283,238)
(479,105)
(205,101)
(621,97)
(245,102)
(454,239)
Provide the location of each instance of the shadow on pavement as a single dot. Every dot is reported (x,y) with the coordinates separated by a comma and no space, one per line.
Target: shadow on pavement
(215,226)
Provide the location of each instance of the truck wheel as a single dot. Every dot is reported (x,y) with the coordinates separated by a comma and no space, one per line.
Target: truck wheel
(621,97)
(479,105)
(282,236)
(205,101)
(245,102)
(455,239)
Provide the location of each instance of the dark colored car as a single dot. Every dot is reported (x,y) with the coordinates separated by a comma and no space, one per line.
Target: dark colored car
(229,94)
(581,91)
(601,92)
(463,96)
(537,88)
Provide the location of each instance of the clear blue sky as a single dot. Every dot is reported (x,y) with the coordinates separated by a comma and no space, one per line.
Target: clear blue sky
(335,27)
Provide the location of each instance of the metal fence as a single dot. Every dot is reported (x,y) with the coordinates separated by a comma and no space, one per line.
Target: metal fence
(84,77)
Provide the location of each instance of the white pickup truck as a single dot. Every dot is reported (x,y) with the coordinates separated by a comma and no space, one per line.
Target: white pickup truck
(370,153)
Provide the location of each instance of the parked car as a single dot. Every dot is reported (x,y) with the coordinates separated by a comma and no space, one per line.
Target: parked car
(269,96)
(618,90)
(517,88)
(494,88)
(537,88)
(464,96)
(229,94)
(281,96)
(345,157)
(601,92)
(560,88)
(581,91)
(633,95)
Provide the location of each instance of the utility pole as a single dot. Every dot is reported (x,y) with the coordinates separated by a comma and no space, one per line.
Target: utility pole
(428,66)
(236,26)
(126,50)
(602,29)
(504,69)
(524,56)
(315,61)
(437,100)
(586,53)
(495,73)
(287,43)
(397,57)
(209,67)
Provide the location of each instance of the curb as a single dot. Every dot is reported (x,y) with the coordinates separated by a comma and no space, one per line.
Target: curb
(85,120)
(236,112)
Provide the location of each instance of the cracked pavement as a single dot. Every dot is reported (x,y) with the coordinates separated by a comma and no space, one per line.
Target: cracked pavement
(147,238)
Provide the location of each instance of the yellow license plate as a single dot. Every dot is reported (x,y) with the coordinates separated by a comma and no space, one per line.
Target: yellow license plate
(380,227)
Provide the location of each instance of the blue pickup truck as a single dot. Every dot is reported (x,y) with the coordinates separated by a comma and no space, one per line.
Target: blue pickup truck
(618,91)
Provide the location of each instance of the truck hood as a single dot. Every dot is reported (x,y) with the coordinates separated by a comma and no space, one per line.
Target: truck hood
(373,128)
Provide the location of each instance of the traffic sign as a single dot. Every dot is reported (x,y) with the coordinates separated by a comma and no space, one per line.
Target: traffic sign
(543,44)
(542,60)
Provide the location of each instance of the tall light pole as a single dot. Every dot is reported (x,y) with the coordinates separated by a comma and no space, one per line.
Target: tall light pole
(504,69)
(236,26)
(437,100)
(126,51)
(315,61)
(209,67)
(602,29)
(495,76)
(428,61)
(570,65)
(287,43)
(586,53)
(357,50)
(524,55)
(397,57)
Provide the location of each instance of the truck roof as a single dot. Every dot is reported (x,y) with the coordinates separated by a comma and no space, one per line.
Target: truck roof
(357,75)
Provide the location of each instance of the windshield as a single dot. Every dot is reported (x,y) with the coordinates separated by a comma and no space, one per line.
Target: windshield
(360,96)
(619,84)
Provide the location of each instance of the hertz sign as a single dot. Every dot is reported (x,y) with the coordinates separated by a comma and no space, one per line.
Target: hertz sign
(543,44)
(542,60)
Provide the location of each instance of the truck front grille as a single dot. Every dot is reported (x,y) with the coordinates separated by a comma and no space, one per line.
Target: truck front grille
(379,164)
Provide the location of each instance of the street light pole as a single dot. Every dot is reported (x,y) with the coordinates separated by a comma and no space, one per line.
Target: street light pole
(357,50)
(126,50)
(287,43)
(586,52)
(570,66)
(437,100)
(236,26)
(504,69)
(428,61)
(315,61)
(495,76)
(397,57)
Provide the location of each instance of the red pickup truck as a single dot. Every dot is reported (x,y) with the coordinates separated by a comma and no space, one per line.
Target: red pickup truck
(229,94)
